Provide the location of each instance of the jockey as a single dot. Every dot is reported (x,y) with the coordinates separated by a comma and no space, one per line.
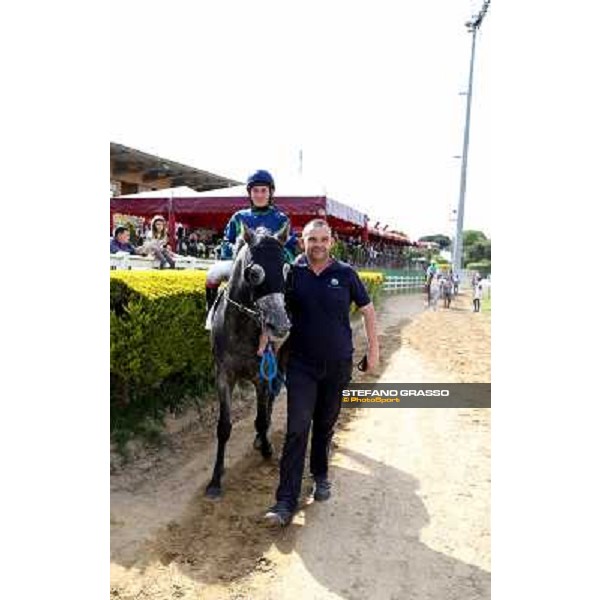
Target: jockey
(262,213)
(431,270)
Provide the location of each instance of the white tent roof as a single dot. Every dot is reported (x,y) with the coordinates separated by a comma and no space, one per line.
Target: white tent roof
(182,191)
(289,188)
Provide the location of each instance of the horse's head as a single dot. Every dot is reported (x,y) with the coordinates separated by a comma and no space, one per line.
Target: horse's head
(258,277)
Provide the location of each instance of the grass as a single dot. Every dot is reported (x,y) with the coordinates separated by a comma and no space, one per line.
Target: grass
(486,304)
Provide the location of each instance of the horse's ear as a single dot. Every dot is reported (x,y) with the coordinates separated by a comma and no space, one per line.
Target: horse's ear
(284,233)
(247,234)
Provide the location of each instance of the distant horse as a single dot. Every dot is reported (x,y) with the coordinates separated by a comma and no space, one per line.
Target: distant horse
(251,304)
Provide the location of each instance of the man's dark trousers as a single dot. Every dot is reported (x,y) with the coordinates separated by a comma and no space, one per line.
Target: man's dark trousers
(314,390)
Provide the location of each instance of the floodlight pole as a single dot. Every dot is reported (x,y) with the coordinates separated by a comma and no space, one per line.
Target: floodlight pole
(472,26)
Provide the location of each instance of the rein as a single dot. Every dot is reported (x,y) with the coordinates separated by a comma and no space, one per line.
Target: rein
(253,314)
(268,368)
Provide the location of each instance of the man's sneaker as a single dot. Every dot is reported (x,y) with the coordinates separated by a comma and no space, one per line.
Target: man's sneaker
(321,490)
(279,514)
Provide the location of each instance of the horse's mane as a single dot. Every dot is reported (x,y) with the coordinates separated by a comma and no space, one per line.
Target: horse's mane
(240,242)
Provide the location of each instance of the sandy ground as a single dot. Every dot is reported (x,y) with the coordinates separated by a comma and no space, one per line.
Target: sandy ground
(409,515)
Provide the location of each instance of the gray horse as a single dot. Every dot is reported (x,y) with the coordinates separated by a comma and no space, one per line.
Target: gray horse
(251,304)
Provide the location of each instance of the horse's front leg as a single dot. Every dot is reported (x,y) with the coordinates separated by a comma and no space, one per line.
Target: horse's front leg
(224,390)
(264,408)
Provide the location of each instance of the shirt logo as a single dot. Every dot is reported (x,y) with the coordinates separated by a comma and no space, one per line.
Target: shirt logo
(334,282)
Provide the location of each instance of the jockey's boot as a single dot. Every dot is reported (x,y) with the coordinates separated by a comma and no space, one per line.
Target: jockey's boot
(211,296)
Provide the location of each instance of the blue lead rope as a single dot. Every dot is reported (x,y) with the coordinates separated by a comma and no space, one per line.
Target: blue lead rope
(268,367)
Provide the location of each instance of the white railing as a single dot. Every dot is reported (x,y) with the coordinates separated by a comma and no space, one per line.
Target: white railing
(132,262)
(415,283)
(403,283)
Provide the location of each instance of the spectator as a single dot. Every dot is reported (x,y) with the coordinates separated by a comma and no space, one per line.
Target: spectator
(447,288)
(180,235)
(120,242)
(372,256)
(183,246)
(156,242)
(477,294)
(455,282)
(191,245)
(195,247)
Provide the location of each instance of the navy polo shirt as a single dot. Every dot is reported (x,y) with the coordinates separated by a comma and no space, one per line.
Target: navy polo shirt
(320,310)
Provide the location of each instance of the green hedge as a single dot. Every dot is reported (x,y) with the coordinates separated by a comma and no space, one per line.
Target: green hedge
(159,351)
(160,356)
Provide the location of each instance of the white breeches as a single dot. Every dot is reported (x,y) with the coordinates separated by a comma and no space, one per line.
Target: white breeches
(220,271)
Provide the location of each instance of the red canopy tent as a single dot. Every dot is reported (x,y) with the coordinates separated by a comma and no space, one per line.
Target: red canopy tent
(212,209)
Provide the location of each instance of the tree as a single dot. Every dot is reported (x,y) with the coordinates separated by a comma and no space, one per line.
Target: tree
(476,247)
(480,250)
(470,236)
(442,240)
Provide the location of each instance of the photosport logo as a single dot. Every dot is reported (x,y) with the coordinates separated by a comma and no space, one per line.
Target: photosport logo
(415,395)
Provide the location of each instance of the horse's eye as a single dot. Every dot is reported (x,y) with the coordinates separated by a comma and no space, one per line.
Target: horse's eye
(254,274)
(286,270)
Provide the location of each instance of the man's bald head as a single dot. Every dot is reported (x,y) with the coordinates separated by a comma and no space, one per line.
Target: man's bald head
(315,224)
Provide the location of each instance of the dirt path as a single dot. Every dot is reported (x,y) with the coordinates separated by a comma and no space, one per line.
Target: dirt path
(409,517)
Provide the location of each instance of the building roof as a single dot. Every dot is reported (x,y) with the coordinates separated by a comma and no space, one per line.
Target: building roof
(152,168)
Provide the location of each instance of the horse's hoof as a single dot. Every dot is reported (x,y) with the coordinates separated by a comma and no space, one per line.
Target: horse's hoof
(257,443)
(213,492)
